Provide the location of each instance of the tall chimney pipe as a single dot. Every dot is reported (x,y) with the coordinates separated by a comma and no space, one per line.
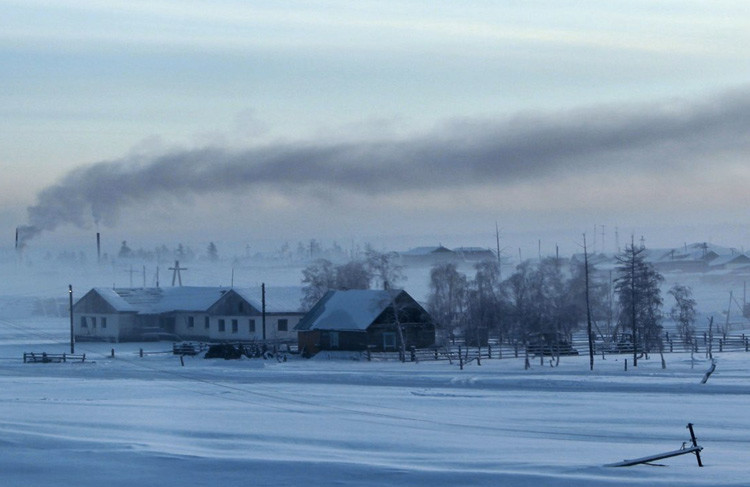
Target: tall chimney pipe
(98,248)
(16,238)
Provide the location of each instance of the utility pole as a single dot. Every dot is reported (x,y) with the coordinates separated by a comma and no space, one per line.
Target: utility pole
(72,332)
(176,276)
(263,306)
(588,305)
(497,237)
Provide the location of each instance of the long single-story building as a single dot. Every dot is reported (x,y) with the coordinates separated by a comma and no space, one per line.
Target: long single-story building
(364,319)
(188,313)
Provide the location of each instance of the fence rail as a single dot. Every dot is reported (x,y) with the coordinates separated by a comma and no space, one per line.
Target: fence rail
(461,353)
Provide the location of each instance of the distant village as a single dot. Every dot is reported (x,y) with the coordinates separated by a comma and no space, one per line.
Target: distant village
(340,319)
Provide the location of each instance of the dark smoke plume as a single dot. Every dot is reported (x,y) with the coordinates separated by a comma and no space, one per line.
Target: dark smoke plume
(666,136)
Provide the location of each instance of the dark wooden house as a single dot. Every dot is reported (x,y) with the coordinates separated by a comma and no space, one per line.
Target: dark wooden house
(358,320)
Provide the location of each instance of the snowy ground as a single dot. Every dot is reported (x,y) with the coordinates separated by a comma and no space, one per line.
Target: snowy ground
(132,420)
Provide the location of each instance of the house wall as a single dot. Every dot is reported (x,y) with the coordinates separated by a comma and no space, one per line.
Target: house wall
(111,327)
(244,331)
(314,341)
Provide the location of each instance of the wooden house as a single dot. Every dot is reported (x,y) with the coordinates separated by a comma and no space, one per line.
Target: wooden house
(357,320)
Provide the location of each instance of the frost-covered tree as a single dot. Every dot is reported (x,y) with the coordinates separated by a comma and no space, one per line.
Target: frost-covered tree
(446,301)
(485,303)
(639,300)
(384,267)
(212,252)
(125,251)
(318,278)
(353,275)
(683,312)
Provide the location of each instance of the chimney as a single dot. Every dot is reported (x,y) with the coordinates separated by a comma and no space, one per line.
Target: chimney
(98,248)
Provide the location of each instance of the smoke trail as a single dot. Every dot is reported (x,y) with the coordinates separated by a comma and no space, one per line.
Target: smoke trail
(676,135)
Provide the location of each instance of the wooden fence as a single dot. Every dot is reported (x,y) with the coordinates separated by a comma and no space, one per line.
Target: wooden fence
(459,352)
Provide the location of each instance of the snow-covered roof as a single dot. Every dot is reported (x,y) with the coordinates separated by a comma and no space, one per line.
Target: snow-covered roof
(282,299)
(730,259)
(354,309)
(422,251)
(115,300)
(161,299)
(473,250)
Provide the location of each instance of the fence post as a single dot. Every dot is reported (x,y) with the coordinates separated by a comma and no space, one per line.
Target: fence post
(141,353)
(460,358)
(413,353)
(671,346)
(489,350)
(112,354)
(479,356)
(746,340)
(626,365)
(63,357)
(436,354)
(515,349)
(721,345)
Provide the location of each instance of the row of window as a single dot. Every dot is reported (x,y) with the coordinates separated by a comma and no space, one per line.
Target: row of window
(282,324)
(92,320)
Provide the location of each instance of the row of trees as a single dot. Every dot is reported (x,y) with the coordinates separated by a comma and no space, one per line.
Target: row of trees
(541,299)
(544,301)
(376,269)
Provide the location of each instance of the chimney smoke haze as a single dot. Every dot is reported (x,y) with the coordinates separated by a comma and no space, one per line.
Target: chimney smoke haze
(678,136)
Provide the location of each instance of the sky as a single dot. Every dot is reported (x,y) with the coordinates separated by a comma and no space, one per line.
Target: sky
(404,123)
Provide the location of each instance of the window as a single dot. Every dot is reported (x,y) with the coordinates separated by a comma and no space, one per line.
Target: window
(191,321)
(104,321)
(283,325)
(206,322)
(83,322)
(235,326)
(93,322)
(252,326)
(222,326)
(389,341)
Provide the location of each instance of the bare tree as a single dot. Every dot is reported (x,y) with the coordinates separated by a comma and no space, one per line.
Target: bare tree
(384,267)
(446,301)
(486,306)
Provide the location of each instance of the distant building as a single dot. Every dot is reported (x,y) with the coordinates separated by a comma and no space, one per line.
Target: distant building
(428,255)
(358,320)
(181,313)
(475,254)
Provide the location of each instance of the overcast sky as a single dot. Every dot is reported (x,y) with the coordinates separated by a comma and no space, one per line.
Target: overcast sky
(259,121)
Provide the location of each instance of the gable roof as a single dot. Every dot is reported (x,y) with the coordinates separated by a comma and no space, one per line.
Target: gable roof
(195,299)
(425,251)
(355,309)
(160,299)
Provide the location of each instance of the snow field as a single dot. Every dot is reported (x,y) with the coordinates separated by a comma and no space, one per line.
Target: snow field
(150,421)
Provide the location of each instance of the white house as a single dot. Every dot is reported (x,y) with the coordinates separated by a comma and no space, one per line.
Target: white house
(195,313)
